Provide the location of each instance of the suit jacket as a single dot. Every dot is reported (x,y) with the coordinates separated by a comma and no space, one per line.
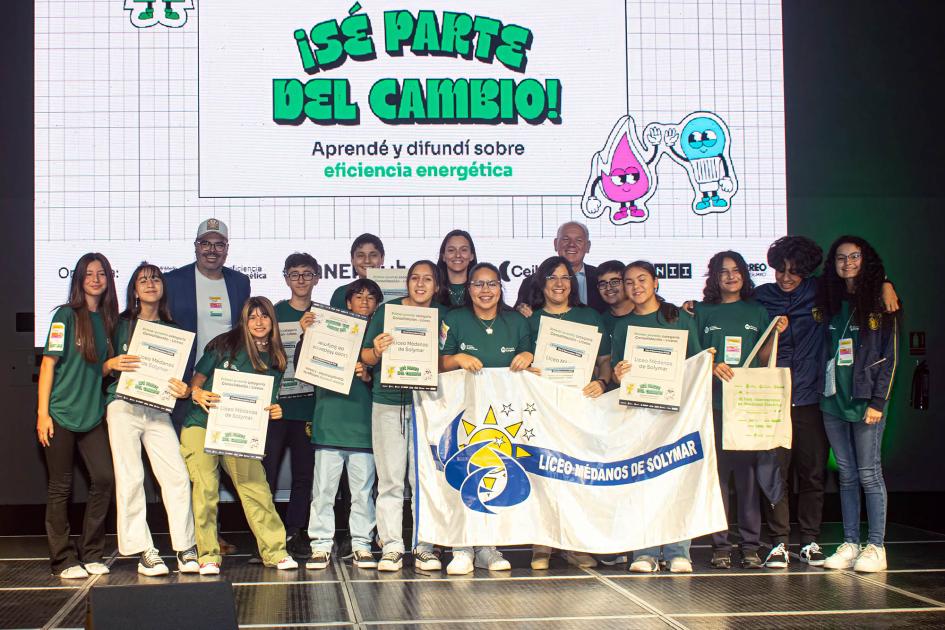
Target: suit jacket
(594,299)
(181,288)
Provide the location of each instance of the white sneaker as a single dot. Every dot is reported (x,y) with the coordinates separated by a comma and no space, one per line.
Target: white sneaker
(492,559)
(210,568)
(96,568)
(74,573)
(680,564)
(287,564)
(844,557)
(644,564)
(151,564)
(461,564)
(871,560)
(426,561)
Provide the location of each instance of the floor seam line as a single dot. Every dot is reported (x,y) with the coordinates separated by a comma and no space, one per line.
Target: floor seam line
(73,601)
(351,602)
(895,589)
(639,601)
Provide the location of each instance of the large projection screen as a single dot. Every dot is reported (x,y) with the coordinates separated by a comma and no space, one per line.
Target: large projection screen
(303,124)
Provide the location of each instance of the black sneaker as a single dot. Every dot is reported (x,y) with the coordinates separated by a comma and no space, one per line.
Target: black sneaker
(812,555)
(188,561)
(751,560)
(721,559)
(777,557)
(151,564)
(299,546)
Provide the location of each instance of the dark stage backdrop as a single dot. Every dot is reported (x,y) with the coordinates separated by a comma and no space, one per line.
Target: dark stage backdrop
(864,155)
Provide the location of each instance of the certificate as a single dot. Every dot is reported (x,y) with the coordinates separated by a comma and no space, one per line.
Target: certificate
(330,349)
(291,387)
(237,424)
(393,282)
(566,351)
(657,358)
(164,351)
(411,362)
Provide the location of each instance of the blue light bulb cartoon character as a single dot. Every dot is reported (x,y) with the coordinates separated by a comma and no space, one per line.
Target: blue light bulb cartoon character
(704,140)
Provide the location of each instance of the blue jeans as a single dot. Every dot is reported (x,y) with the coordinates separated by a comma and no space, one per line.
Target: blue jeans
(329,462)
(856,445)
(673,550)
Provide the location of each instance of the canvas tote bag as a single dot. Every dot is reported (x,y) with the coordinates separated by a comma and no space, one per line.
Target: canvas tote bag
(756,403)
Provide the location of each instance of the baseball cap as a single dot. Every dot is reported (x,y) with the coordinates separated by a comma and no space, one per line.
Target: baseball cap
(213,226)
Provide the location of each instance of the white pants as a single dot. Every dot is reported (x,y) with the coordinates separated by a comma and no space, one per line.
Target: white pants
(329,462)
(130,426)
(394,457)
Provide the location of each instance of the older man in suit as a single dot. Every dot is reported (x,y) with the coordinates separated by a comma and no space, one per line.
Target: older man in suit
(572,242)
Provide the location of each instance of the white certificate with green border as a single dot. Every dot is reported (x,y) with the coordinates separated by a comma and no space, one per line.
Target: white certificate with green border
(163,351)
(657,358)
(412,361)
(238,423)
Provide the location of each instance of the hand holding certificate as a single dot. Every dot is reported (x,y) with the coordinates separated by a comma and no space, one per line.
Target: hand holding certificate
(162,351)
(566,351)
(238,421)
(291,387)
(330,348)
(411,362)
(657,358)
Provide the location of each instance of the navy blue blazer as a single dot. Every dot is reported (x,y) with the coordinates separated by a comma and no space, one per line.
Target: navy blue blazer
(181,288)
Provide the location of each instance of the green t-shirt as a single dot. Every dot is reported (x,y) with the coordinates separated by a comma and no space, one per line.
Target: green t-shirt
(120,341)
(732,329)
(654,320)
(343,421)
(338,297)
(463,333)
(610,321)
(76,400)
(375,327)
(843,404)
(210,361)
(577,314)
(293,408)
(457,294)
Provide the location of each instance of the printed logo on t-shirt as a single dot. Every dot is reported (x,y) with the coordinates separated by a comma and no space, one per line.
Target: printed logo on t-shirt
(506,350)
(709,329)
(216,306)
(467,346)
(750,327)
(57,337)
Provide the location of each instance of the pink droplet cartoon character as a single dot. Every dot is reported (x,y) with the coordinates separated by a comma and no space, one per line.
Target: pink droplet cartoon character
(621,177)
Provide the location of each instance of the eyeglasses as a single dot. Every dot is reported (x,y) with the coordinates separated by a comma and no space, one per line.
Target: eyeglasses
(553,278)
(613,284)
(854,257)
(295,276)
(480,284)
(217,246)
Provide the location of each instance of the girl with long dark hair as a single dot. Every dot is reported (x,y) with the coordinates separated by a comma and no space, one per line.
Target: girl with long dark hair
(69,414)
(133,425)
(862,343)
(729,321)
(650,310)
(484,333)
(391,429)
(457,256)
(253,346)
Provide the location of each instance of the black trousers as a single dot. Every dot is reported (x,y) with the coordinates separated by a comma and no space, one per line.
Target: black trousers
(60,459)
(291,434)
(808,461)
(739,466)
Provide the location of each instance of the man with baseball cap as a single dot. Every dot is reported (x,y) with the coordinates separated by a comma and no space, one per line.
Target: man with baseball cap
(205,297)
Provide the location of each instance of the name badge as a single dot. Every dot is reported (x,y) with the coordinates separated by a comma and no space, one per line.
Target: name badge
(733,350)
(845,352)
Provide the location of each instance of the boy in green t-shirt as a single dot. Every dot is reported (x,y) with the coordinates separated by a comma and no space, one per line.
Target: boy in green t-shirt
(367,251)
(298,401)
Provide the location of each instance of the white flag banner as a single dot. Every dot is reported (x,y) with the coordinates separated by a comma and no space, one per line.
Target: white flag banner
(508,458)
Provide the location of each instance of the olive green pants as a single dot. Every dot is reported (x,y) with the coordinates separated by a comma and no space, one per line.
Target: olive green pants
(250,480)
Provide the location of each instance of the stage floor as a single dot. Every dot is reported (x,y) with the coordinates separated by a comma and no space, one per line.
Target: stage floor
(911,594)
